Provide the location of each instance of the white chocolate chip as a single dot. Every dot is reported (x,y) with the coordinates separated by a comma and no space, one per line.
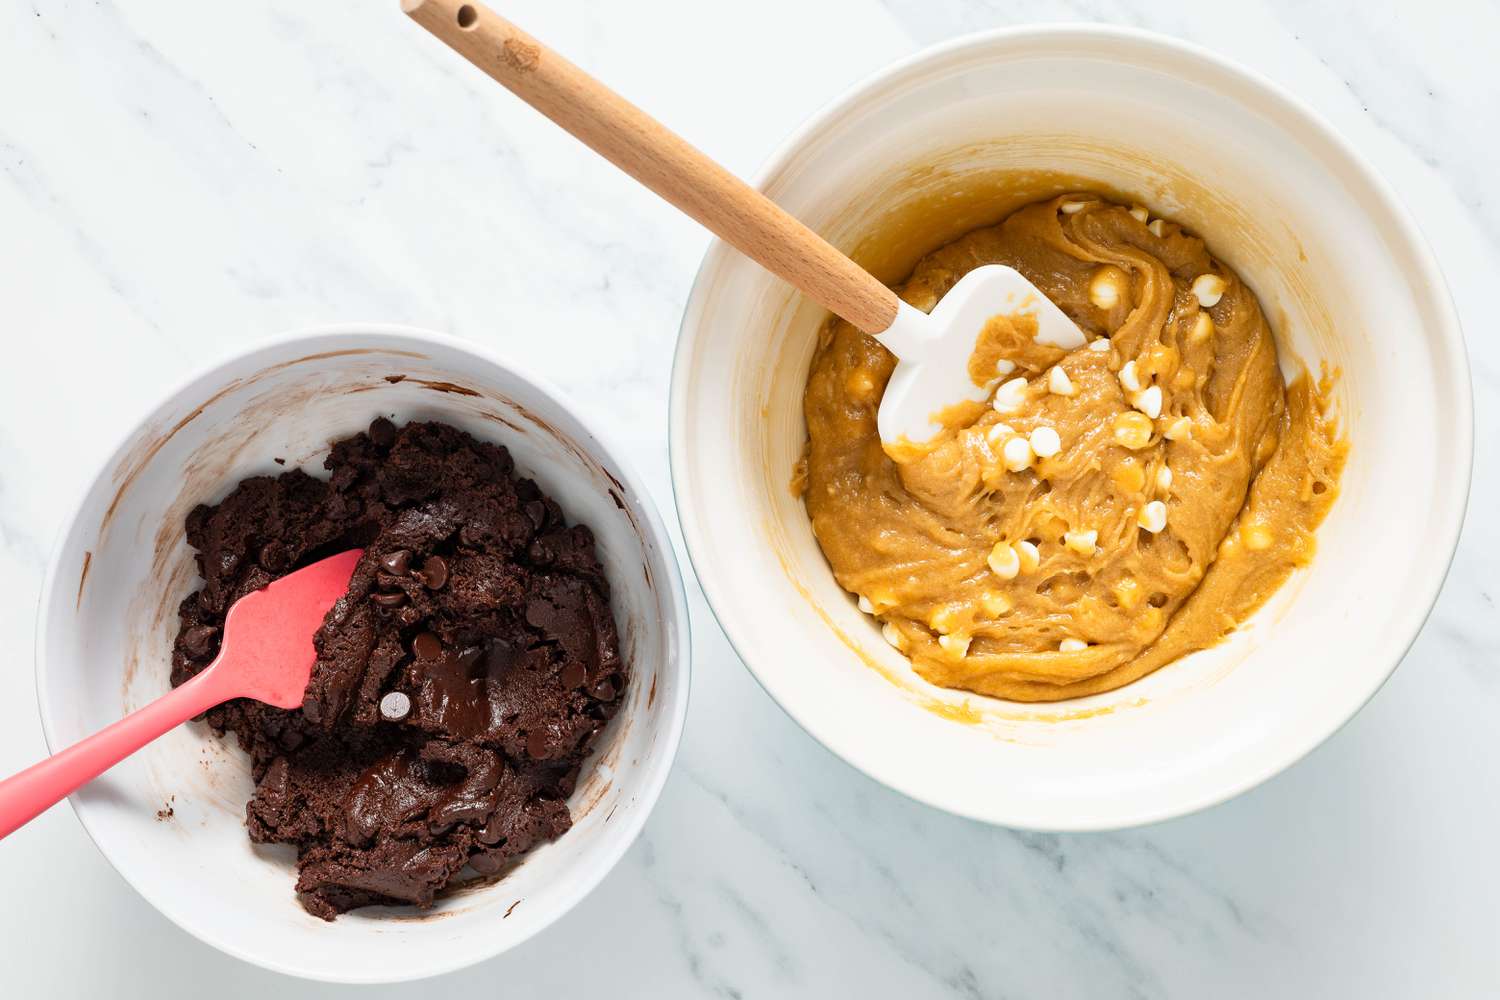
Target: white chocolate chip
(1209,288)
(1045,442)
(1148,401)
(1132,430)
(1255,536)
(1030,557)
(1164,477)
(1011,396)
(893,636)
(1017,454)
(1153,516)
(1082,542)
(942,620)
(1004,560)
(1129,380)
(1058,382)
(998,433)
(1139,213)
(954,645)
(995,604)
(395,706)
(1105,288)
(1158,227)
(1101,345)
(1203,328)
(1071,645)
(1004,366)
(1181,430)
(865,605)
(1072,207)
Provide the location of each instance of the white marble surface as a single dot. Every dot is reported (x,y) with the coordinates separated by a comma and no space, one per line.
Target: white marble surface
(177,180)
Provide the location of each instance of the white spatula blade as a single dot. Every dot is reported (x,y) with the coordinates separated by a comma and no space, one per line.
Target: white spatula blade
(933,350)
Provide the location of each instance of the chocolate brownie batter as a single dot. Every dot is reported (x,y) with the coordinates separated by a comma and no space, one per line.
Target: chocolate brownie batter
(459,683)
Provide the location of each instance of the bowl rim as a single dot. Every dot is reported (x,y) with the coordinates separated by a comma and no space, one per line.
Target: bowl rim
(677,628)
(1132,44)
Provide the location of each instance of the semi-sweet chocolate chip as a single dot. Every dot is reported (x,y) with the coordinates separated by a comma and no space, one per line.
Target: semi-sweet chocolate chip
(382,432)
(434,572)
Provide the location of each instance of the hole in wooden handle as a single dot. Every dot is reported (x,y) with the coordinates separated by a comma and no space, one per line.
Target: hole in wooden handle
(467,17)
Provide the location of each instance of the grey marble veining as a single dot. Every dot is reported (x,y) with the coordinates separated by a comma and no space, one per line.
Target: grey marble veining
(177,181)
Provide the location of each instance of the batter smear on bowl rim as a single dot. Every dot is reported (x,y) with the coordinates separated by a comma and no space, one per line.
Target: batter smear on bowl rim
(1109,509)
(459,683)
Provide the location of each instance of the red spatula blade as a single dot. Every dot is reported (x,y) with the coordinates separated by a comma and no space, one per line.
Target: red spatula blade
(267,654)
(268,635)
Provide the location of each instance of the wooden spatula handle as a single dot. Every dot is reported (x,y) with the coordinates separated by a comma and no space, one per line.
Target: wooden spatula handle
(660,159)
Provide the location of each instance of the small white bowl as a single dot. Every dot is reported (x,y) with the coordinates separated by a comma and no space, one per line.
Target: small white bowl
(950,139)
(108,617)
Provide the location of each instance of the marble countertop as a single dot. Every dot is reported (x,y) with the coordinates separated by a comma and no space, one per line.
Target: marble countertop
(180,180)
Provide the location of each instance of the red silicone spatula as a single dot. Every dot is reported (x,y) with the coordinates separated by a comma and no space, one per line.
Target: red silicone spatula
(267,654)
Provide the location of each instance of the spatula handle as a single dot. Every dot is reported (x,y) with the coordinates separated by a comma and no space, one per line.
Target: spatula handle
(25,796)
(660,159)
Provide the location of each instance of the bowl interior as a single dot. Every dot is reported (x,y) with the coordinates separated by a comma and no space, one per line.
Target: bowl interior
(109,618)
(956,138)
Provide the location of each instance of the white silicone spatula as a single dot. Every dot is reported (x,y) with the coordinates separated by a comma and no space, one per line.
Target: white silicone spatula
(932,349)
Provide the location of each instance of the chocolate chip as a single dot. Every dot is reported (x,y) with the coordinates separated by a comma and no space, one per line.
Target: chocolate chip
(536,511)
(427,646)
(198,641)
(604,689)
(485,863)
(434,572)
(538,743)
(382,432)
(396,563)
(498,658)
(573,675)
(389,599)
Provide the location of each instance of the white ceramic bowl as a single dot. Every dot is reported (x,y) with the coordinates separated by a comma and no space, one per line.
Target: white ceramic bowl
(952,138)
(108,616)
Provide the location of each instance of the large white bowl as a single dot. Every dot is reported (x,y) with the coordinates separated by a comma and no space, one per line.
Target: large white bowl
(952,138)
(108,617)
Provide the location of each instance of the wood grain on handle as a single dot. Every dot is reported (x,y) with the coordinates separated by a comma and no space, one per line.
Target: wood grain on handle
(657,157)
